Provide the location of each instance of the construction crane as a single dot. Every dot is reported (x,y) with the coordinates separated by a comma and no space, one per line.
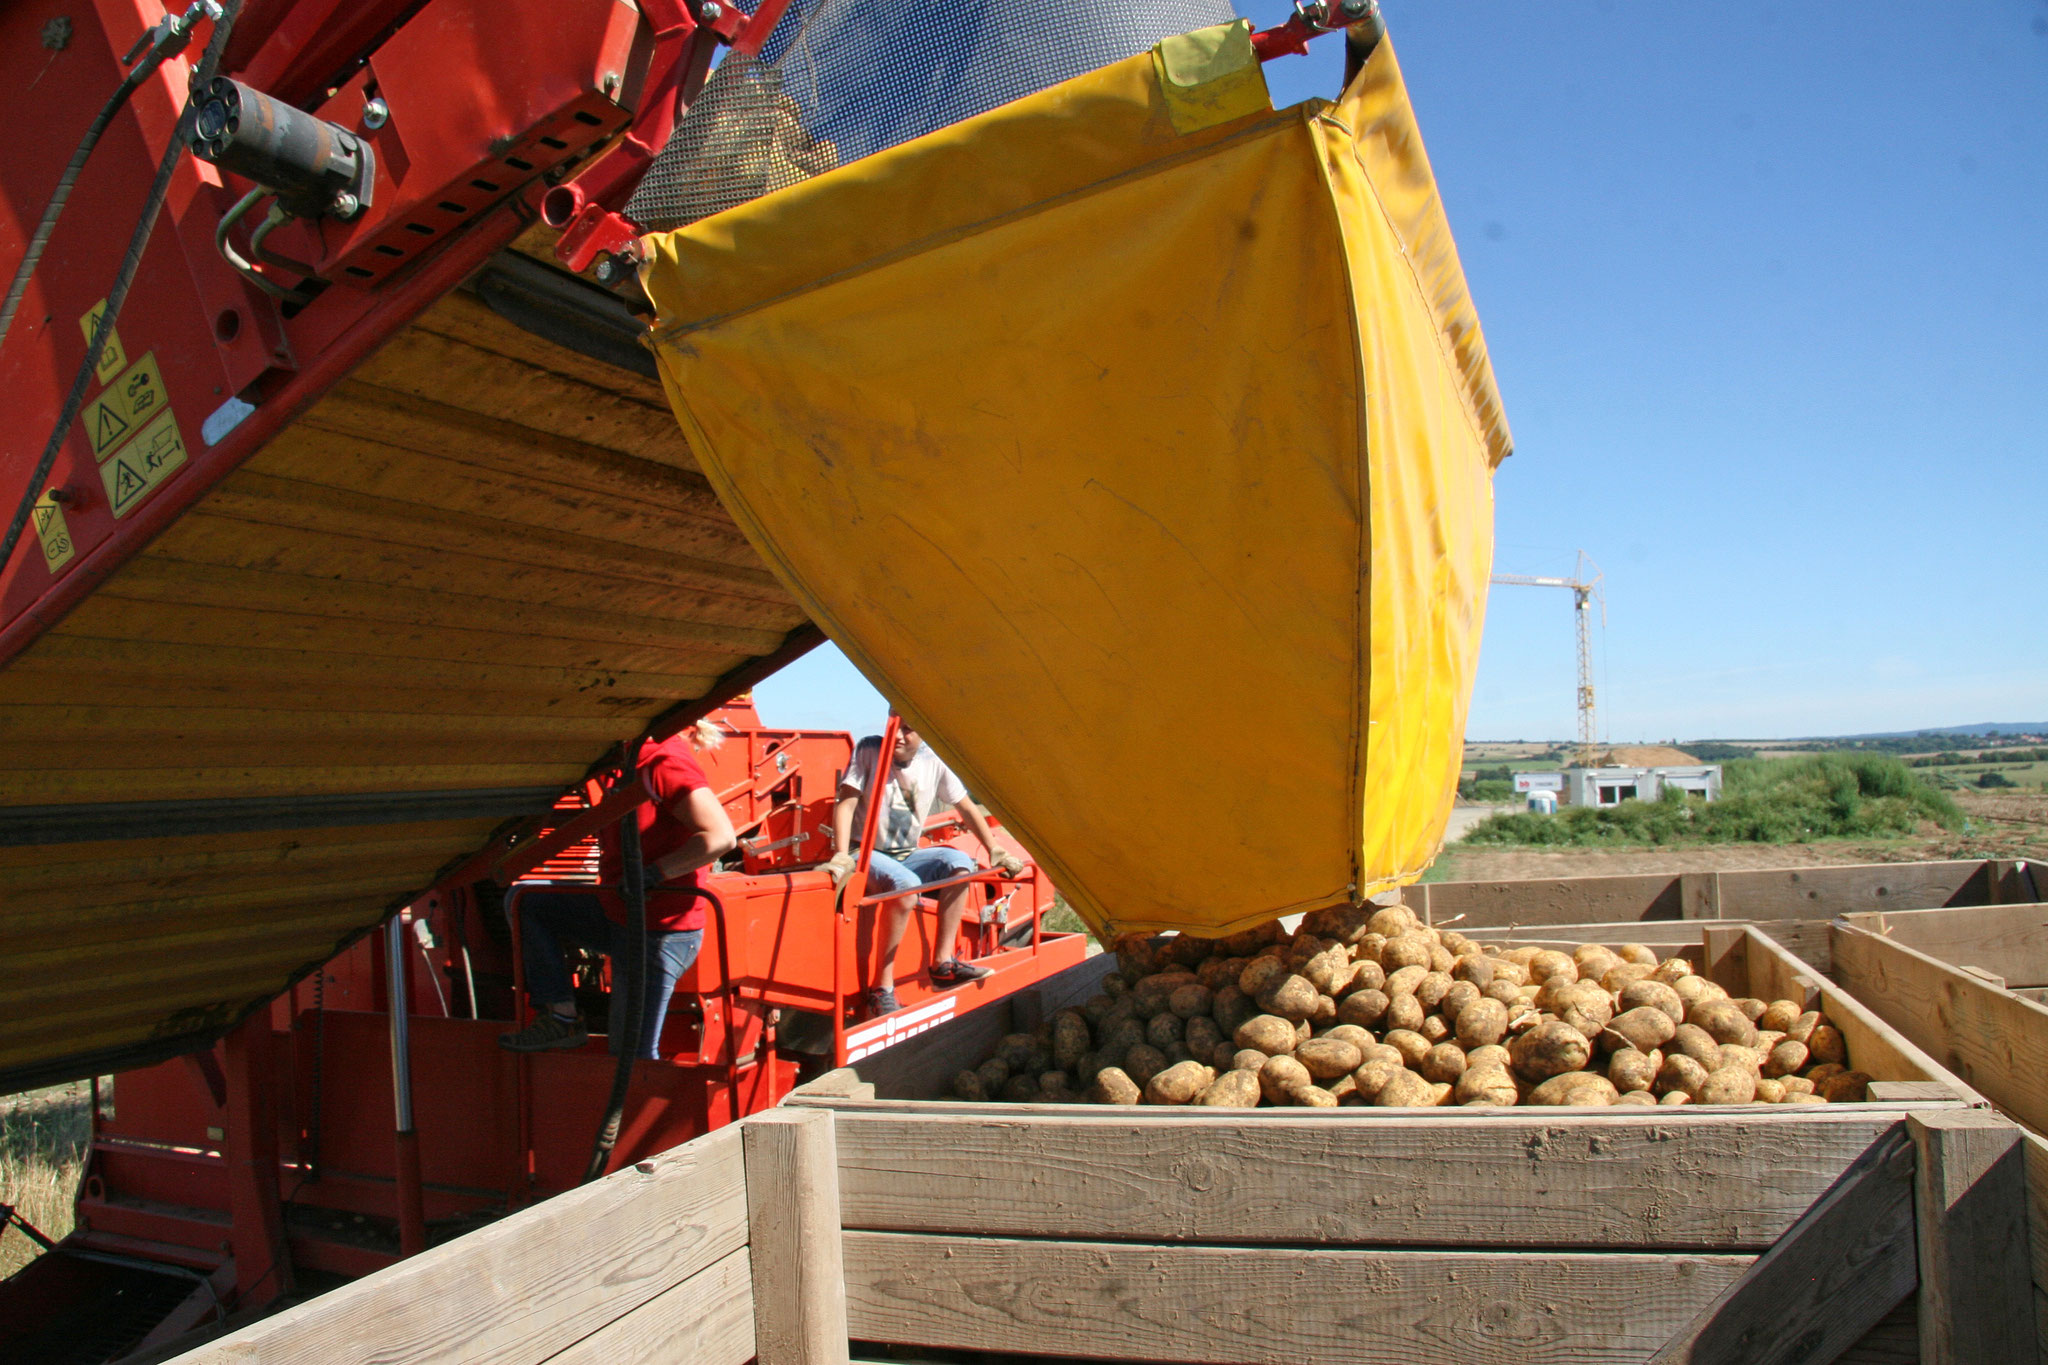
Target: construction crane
(1585,590)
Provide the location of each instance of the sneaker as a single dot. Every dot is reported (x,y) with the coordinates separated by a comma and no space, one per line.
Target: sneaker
(546,1033)
(879,1001)
(954,972)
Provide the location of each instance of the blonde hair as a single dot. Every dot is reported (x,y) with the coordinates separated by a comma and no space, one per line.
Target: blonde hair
(706,735)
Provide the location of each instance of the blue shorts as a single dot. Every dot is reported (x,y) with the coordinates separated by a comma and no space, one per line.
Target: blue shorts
(915,869)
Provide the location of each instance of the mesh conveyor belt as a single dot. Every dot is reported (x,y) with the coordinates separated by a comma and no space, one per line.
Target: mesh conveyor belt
(842,79)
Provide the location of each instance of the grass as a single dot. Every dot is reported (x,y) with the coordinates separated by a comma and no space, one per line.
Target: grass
(1764,801)
(42,1154)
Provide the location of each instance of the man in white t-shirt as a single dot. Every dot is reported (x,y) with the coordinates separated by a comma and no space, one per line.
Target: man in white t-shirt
(919,781)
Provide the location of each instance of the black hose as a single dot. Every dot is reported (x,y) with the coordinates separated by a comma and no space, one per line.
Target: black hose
(632,964)
(209,61)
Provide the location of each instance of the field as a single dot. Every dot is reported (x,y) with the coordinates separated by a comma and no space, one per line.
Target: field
(42,1152)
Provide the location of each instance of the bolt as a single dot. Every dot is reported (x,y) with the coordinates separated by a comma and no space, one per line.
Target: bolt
(610,83)
(711,11)
(1357,9)
(376,113)
(346,205)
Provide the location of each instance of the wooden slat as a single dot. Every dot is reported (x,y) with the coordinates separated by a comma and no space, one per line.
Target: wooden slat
(25,725)
(527,1287)
(1271,1305)
(462,317)
(1837,1273)
(1823,892)
(794,1241)
(2010,940)
(1991,1038)
(707,1319)
(1976,1297)
(1806,939)
(1432,1180)
(2037,1214)
(192,782)
(1475,906)
(1894,1341)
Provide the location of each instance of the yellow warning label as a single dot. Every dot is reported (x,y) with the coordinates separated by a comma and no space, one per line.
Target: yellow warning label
(56,536)
(138,467)
(113,359)
(125,406)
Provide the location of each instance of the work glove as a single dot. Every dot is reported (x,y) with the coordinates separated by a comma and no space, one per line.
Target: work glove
(841,867)
(1008,863)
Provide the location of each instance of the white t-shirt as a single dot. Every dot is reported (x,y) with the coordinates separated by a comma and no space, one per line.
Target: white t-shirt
(913,793)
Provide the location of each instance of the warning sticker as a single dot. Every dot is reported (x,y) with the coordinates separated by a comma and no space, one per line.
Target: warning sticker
(125,406)
(56,536)
(113,359)
(138,467)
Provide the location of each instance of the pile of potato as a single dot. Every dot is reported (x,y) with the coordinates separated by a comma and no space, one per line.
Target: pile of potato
(1365,1005)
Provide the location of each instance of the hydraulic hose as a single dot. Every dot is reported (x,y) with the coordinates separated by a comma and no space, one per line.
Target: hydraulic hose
(159,188)
(632,964)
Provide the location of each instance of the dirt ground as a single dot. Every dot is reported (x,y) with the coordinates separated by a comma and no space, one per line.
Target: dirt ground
(2001,825)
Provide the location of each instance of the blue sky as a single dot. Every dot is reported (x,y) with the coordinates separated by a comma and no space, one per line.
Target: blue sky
(1766,290)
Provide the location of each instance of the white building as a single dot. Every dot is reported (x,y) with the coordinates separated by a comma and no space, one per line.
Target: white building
(1611,786)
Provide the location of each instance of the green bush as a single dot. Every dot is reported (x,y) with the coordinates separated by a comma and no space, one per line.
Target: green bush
(1993,779)
(1764,800)
(1488,789)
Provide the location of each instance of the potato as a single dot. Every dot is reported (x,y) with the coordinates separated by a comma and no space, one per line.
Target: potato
(1390,920)
(1372,1076)
(1512,972)
(1363,1008)
(1440,960)
(1218,972)
(1432,989)
(1575,1087)
(1636,953)
(1380,1052)
(1409,950)
(1328,1058)
(1057,1087)
(1403,1012)
(1246,1059)
(1724,1022)
(1802,1027)
(1796,1085)
(1692,1041)
(1820,1073)
(1485,1085)
(1404,981)
(1487,1054)
(1201,1036)
(1456,942)
(1674,1097)
(1311,1097)
(1354,1035)
(1752,1007)
(1671,969)
(1642,1028)
(1748,1058)
(1280,1075)
(1548,963)
(1636,1097)
(1655,995)
(1269,1033)
(1290,996)
(995,1074)
(1681,1073)
(1232,1008)
(1179,1083)
(1766,1039)
(1154,993)
(1190,1000)
(1070,1038)
(1365,976)
(1631,1069)
(1412,1046)
(1444,1062)
(1325,1012)
(1507,992)
(1779,1015)
(1481,1022)
(1784,1059)
(1114,986)
(1143,1062)
(1407,1090)
(1729,1085)
(1593,960)
(1089,1066)
(1112,1086)
(1550,1049)
(1807,1097)
(1328,970)
(1096,1008)
(1826,1044)
(1520,956)
(1585,1006)
(1769,1091)
(1620,978)
(1224,1055)
(1846,1087)
(1021,1090)
(1165,1030)
(1472,968)
(1259,973)
(1121,1037)
(1368,948)
(1017,1050)
(967,1085)
(1435,1029)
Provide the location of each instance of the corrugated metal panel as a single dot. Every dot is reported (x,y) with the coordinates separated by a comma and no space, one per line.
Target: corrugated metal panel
(475,565)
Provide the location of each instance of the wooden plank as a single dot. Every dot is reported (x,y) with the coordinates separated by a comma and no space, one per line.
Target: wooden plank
(1724,950)
(1836,1274)
(1976,1296)
(1268,1305)
(1823,892)
(529,1286)
(1894,1341)
(1433,1180)
(2037,1213)
(1991,1038)
(1474,906)
(707,1319)
(1806,939)
(794,1242)
(1699,895)
(2010,940)
(839,1083)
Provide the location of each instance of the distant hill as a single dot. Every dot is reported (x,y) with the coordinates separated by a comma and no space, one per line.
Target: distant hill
(2010,727)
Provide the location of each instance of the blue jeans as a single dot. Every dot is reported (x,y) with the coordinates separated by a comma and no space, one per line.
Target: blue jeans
(915,869)
(552,922)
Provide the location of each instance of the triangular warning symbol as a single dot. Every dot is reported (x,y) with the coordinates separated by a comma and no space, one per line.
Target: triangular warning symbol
(127,483)
(42,514)
(109,426)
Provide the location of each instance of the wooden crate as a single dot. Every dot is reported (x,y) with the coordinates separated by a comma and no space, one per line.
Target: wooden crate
(1966,986)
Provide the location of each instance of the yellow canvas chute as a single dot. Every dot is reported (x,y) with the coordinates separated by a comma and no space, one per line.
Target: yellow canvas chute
(1137,441)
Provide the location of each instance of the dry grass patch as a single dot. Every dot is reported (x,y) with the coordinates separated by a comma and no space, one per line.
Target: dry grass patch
(42,1154)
